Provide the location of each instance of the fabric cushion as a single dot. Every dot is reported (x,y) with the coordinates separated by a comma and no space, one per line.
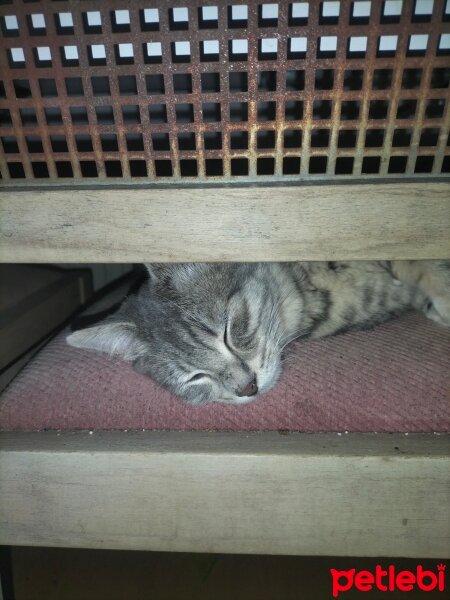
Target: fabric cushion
(392,378)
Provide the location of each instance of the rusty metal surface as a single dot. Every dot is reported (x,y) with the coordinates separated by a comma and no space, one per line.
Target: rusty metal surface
(221,117)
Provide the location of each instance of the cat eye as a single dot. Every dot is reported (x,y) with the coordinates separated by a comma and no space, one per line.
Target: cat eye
(197,377)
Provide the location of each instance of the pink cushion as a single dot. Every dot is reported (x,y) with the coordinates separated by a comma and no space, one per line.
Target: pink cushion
(393,378)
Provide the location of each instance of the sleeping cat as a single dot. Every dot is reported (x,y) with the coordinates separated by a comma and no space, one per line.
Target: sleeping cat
(215,332)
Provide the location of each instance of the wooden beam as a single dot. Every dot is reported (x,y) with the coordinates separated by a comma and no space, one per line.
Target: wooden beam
(320,222)
(261,493)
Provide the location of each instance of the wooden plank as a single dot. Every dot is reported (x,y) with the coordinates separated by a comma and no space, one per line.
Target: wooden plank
(266,493)
(361,221)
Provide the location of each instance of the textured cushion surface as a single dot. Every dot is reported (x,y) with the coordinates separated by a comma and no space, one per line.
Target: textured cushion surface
(392,378)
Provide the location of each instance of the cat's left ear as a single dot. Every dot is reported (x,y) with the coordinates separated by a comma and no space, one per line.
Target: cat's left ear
(113,338)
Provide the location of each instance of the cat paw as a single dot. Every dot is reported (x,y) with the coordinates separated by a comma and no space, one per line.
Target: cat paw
(439,311)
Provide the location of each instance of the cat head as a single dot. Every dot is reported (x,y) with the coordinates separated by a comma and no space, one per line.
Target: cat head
(208,332)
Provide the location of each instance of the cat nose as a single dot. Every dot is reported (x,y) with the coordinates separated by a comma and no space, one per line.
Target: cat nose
(250,389)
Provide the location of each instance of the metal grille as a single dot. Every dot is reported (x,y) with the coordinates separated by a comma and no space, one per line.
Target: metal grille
(212,91)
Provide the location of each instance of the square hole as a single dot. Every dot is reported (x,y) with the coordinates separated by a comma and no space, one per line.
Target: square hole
(429,137)
(109,142)
(423,9)
(182,83)
(265,139)
(371,165)
(212,140)
(238,81)
(53,116)
(324,79)
(155,84)
(237,16)
(9,26)
(297,47)
(64,23)
(163,168)
(16,58)
(69,56)
(97,55)
(161,142)
(105,115)
(265,166)
(349,110)
(157,113)
(397,164)
(353,79)
(292,138)
(64,168)
(120,21)
(92,21)
(124,54)
(16,170)
(411,78)
(267,81)
(211,112)
(347,138)
(10,145)
(59,143)
(239,167)
(446,164)
(184,113)
(239,140)
(406,109)
(344,165)
(378,109)
(238,49)
(293,110)
(387,45)
(22,88)
(213,167)
(357,46)
(322,109)
(382,79)
(78,114)
(149,19)
(100,86)
(417,44)
(267,15)
(48,88)
(392,10)
(34,144)
(40,170)
(181,51)
(131,113)
(36,24)
(320,138)
(134,142)
(188,168)
(424,164)
(186,141)
(152,53)
(74,86)
(2,90)
(178,19)
(327,46)
(84,143)
(360,13)
(238,111)
(374,138)
(295,80)
(329,13)
(28,116)
(88,168)
(209,50)
(138,168)
(401,138)
(267,48)
(113,168)
(291,165)
(318,165)
(208,17)
(435,108)
(210,82)
(5,118)
(266,111)
(127,85)
(298,14)
(440,78)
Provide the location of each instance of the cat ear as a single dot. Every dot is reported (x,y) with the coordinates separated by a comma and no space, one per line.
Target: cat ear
(113,338)
(174,272)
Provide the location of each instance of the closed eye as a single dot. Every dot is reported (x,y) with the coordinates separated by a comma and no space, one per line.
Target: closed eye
(197,377)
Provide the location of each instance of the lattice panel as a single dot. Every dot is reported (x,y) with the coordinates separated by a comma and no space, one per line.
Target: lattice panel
(192,90)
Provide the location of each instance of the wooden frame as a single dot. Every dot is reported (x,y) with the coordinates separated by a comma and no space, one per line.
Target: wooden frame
(311,494)
(320,222)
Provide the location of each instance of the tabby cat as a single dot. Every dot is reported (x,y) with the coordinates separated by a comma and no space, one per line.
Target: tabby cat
(215,332)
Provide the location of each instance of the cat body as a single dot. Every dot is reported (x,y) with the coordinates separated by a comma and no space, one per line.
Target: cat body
(216,332)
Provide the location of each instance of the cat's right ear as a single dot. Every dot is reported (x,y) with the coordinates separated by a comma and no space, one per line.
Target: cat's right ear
(111,337)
